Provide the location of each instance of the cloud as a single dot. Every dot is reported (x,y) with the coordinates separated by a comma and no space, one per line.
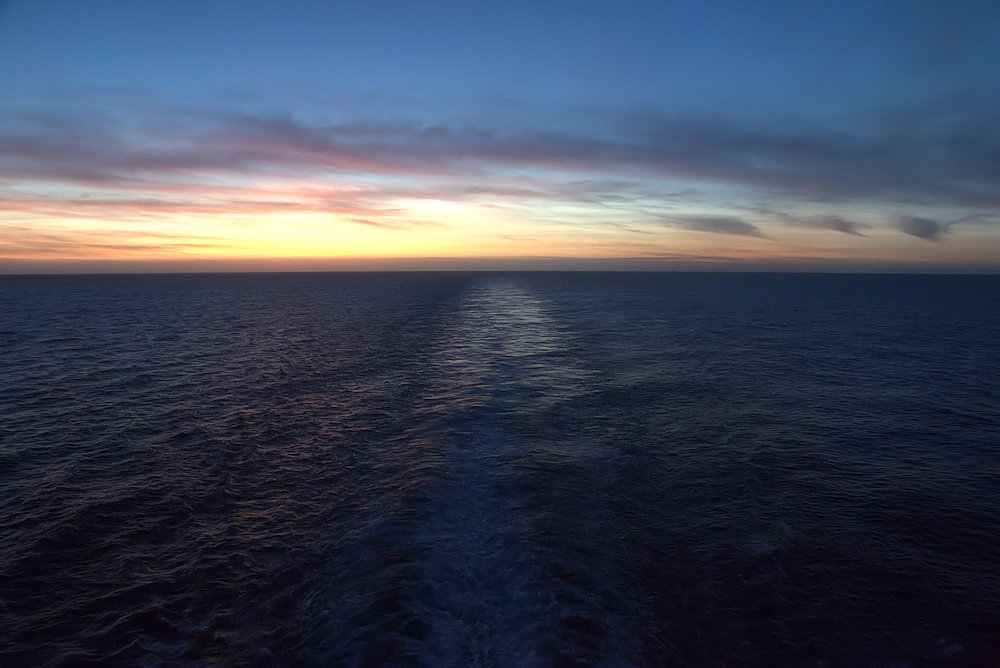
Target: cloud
(923,228)
(126,207)
(26,241)
(932,230)
(395,224)
(914,157)
(833,223)
(149,162)
(984,218)
(718,225)
(919,156)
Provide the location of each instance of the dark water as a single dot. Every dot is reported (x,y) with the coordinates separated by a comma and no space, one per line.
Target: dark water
(500,470)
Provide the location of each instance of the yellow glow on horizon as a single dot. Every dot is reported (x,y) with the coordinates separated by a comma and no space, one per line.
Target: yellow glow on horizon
(439,228)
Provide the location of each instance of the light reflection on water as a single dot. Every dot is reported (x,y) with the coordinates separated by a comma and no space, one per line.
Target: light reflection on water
(492,589)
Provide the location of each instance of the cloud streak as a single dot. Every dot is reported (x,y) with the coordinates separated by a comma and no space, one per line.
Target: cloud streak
(827,222)
(955,161)
(922,228)
(932,230)
(718,225)
(25,241)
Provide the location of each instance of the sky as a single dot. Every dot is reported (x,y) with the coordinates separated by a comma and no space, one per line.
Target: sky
(141,135)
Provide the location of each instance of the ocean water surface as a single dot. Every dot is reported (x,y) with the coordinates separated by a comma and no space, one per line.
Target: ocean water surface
(524,469)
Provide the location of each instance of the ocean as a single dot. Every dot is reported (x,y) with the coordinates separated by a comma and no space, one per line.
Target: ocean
(500,469)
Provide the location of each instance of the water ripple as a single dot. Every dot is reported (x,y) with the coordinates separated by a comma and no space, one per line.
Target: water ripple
(510,469)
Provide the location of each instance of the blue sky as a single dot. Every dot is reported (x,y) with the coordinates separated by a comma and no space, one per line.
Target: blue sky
(850,135)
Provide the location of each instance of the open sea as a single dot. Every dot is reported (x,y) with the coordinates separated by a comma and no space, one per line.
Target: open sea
(500,469)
